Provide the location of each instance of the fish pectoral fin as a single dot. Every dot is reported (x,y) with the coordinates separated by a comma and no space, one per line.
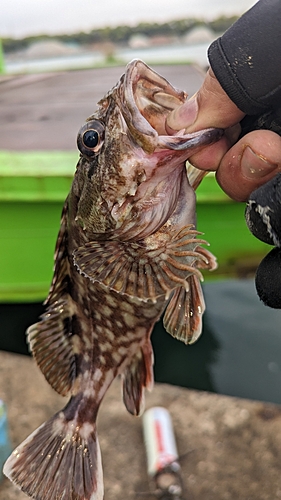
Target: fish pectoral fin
(183,315)
(147,269)
(58,460)
(51,346)
(138,375)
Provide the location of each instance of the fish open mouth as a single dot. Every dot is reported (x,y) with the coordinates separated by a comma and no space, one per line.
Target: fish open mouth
(152,95)
(146,99)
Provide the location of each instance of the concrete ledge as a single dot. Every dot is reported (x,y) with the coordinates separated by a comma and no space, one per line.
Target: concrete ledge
(235,443)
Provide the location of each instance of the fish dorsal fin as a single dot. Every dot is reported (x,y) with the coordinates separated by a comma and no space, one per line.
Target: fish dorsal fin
(50,338)
(61,270)
(137,376)
(51,346)
(183,316)
(148,269)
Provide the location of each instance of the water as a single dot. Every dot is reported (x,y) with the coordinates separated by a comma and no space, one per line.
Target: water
(239,352)
(249,338)
(170,54)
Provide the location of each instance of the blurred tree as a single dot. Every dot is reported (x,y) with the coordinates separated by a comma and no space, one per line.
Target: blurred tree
(121,34)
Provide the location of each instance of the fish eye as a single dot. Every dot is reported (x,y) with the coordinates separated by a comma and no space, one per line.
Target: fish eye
(90,138)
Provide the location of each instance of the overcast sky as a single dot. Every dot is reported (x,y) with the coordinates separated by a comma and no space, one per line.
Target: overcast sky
(27,17)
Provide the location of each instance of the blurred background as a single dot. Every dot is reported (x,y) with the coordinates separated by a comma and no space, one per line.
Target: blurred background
(57,60)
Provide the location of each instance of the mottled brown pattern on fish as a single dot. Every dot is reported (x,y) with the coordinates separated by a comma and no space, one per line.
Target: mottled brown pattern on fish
(127,249)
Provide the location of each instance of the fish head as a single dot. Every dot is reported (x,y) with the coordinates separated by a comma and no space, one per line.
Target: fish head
(130,170)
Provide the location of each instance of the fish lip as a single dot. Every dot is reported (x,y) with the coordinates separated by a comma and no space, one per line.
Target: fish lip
(183,142)
(130,98)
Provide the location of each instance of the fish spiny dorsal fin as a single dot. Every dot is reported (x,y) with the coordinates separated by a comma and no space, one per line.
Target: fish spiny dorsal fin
(137,376)
(61,270)
(50,339)
(148,269)
(59,460)
(183,316)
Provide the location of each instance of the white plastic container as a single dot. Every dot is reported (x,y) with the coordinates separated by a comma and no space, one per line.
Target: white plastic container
(159,440)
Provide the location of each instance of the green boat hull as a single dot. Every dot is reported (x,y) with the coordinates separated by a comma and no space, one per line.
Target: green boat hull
(33,187)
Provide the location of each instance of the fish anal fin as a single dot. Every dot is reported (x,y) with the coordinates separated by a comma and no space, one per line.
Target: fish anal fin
(137,376)
(51,345)
(147,269)
(58,461)
(183,315)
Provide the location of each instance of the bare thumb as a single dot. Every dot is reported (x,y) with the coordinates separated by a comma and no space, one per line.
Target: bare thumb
(209,107)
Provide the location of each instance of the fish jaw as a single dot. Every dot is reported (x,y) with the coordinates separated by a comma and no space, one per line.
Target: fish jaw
(148,205)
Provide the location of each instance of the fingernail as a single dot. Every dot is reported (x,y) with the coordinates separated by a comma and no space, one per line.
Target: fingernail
(254,166)
(183,116)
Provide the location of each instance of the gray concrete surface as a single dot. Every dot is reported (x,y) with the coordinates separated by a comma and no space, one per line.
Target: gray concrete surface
(45,111)
(234,444)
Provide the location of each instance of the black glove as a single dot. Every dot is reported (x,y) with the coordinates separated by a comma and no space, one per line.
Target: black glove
(263,217)
(270,120)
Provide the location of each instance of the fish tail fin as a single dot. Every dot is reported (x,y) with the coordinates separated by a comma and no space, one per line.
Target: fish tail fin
(59,460)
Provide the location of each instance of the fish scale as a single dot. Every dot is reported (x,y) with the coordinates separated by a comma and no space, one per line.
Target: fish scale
(127,251)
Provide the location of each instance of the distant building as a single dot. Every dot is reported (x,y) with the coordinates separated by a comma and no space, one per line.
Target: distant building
(138,41)
(142,41)
(160,40)
(200,34)
(49,48)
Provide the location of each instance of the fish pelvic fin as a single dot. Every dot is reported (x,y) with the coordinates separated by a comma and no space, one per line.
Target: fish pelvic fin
(58,461)
(138,375)
(147,269)
(183,315)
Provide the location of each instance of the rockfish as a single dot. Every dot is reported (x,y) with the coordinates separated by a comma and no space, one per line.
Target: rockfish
(127,251)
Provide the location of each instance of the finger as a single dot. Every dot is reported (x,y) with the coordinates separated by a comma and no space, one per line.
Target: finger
(251,162)
(209,107)
(210,157)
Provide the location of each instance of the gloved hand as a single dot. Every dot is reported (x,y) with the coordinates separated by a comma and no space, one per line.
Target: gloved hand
(263,217)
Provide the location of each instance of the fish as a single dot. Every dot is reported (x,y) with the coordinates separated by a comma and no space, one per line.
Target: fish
(127,253)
